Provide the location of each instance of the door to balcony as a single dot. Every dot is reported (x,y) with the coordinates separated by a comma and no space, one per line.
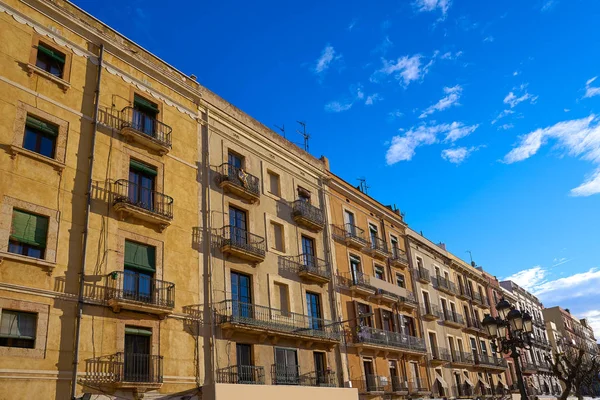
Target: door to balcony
(244,363)
(370,378)
(144,115)
(238,224)
(308,252)
(313,303)
(139,269)
(137,362)
(142,184)
(320,368)
(241,296)
(286,370)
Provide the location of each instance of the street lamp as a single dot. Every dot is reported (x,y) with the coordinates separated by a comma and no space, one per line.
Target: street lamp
(510,331)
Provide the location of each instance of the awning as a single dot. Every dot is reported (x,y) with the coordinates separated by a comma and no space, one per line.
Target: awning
(468,381)
(441,380)
(535,384)
(484,383)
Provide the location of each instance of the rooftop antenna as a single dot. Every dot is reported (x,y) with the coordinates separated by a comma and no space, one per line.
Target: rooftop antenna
(362,186)
(282,129)
(470,255)
(303,133)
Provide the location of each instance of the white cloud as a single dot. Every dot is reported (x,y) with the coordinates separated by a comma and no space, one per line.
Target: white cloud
(576,138)
(505,127)
(432,5)
(336,106)
(451,99)
(392,115)
(488,39)
(516,73)
(352,24)
(522,95)
(449,56)
(548,5)
(591,91)
(328,55)
(405,69)
(402,147)
(458,154)
(356,94)
(372,99)
(502,114)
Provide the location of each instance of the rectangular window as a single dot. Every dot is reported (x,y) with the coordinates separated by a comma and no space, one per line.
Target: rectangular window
(28,234)
(379,273)
(50,60)
(387,320)
(363,309)
(394,242)
(349,223)
(139,269)
(355,268)
(277,237)
(241,295)
(286,367)
(320,367)
(237,225)
(40,136)
(444,307)
(282,298)
(400,281)
(274,187)
(409,326)
(419,262)
(235,160)
(483,348)
(145,113)
(473,346)
(313,306)
(142,184)
(373,234)
(308,250)
(18,329)
(426,302)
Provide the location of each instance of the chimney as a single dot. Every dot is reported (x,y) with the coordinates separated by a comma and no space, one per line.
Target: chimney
(473,264)
(442,245)
(325,162)
(193,77)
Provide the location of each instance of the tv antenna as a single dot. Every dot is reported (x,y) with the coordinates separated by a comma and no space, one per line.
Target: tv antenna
(470,255)
(282,129)
(362,186)
(304,134)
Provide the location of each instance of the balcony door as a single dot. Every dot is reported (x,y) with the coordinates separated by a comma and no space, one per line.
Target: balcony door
(308,251)
(141,184)
(241,295)
(433,344)
(286,367)
(238,226)
(144,115)
(138,274)
(355,270)
(313,305)
(350,223)
(320,368)
(427,303)
(137,360)
(370,378)
(244,363)
(414,369)
(474,349)
(373,235)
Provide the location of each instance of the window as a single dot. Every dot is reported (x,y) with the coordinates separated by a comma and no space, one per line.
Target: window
(282,301)
(274,187)
(320,367)
(409,326)
(427,303)
(50,60)
(400,281)
(18,329)
(145,113)
(235,160)
(373,234)
(483,348)
(495,297)
(444,307)
(394,242)
(277,237)
(473,346)
(437,270)
(40,136)
(313,305)
(141,184)
(137,365)
(355,268)
(419,262)
(363,309)
(286,367)
(28,234)
(237,223)
(387,320)
(349,222)
(241,295)
(308,251)
(379,273)
(139,270)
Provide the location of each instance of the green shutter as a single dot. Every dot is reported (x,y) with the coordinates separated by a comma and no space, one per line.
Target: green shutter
(144,104)
(55,55)
(140,166)
(132,330)
(140,256)
(42,126)
(29,228)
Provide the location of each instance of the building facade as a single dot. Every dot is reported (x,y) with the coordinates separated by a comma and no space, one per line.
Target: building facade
(572,333)
(383,345)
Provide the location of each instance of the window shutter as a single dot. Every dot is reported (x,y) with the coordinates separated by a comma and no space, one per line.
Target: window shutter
(140,166)
(144,104)
(29,228)
(49,129)
(140,256)
(55,55)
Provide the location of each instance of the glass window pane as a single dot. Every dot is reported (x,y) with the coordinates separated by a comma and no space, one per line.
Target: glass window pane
(47,146)
(30,140)
(35,252)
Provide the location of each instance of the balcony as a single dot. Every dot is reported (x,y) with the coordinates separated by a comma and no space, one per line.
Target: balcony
(462,293)
(492,362)
(307,266)
(129,290)
(241,374)
(399,385)
(430,312)
(528,368)
(351,235)
(422,275)
(418,387)
(398,258)
(370,385)
(235,316)
(319,379)
(145,130)
(371,338)
(307,215)
(452,319)
(444,285)
(479,300)
(461,359)
(242,244)
(392,294)
(440,356)
(462,391)
(357,282)
(543,366)
(238,182)
(142,203)
(474,326)
(140,372)
(378,248)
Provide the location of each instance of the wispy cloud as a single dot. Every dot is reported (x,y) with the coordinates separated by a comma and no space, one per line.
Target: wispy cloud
(328,56)
(405,69)
(451,56)
(356,94)
(549,5)
(384,46)
(432,5)
(451,99)
(370,100)
(518,95)
(576,138)
(488,39)
(457,155)
(352,24)
(336,106)
(395,114)
(591,91)
(403,146)
(502,114)
(505,127)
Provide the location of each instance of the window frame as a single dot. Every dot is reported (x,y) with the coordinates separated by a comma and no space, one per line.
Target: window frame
(41,329)
(64,81)
(32,339)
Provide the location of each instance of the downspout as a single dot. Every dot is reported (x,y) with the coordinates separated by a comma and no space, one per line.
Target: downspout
(85,232)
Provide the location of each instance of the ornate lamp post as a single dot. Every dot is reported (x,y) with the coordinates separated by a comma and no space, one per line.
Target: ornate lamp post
(510,331)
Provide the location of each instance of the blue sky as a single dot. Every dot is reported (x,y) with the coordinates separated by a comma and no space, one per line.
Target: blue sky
(477,119)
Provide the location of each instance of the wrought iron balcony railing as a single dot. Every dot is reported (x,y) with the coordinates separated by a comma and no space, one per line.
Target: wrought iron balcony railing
(351,234)
(242,374)
(474,324)
(242,240)
(484,359)
(366,334)
(462,357)
(370,384)
(440,354)
(238,177)
(399,256)
(267,318)
(355,278)
(282,374)
(399,384)
(306,263)
(444,284)
(417,385)
(452,317)
(132,286)
(378,244)
(319,378)
(462,291)
(125,368)
(304,212)
(463,390)
(476,297)
(130,193)
(423,274)
(146,125)
(429,310)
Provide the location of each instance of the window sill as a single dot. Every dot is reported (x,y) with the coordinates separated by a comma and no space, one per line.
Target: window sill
(47,265)
(64,85)
(32,154)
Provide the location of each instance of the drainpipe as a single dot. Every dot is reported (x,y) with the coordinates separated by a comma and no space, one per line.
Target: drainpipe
(85,232)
